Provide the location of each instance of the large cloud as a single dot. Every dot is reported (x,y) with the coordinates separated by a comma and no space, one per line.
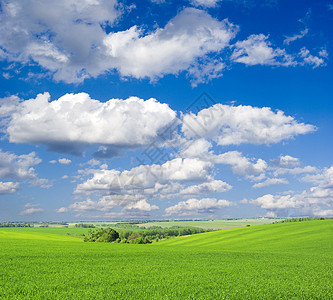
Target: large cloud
(75,40)
(234,125)
(151,178)
(69,39)
(75,121)
(132,189)
(190,35)
(62,36)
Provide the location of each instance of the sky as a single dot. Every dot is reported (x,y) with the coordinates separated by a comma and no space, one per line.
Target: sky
(161,109)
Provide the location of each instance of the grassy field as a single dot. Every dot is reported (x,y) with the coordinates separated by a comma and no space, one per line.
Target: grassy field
(274,261)
(212,224)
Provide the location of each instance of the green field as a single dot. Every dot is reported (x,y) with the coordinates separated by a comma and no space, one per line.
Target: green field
(274,261)
(212,224)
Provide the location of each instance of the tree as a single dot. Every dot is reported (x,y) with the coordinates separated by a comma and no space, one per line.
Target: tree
(105,235)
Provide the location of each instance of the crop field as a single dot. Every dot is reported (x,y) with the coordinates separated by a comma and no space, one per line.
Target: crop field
(273,261)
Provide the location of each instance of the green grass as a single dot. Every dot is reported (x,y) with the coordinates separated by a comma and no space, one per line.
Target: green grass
(212,224)
(274,261)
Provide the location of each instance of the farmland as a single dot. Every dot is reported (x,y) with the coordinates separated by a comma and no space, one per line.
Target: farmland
(285,261)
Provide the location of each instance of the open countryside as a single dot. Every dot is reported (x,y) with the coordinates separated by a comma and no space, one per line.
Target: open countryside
(291,260)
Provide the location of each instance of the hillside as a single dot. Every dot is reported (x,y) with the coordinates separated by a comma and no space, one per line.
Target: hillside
(285,261)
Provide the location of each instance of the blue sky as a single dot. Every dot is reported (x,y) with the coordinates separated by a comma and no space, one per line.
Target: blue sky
(158,109)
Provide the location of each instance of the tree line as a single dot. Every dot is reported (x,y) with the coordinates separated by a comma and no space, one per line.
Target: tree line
(140,236)
(16,224)
(299,219)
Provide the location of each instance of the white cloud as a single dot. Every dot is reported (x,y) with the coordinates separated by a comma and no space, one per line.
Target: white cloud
(158,1)
(295,171)
(312,200)
(270,181)
(310,59)
(129,204)
(323,53)
(148,177)
(64,37)
(64,161)
(287,161)
(295,37)
(257,50)
(204,3)
(53,161)
(192,34)
(234,125)
(31,211)
(240,164)
(195,207)
(75,121)
(141,205)
(198,148)
(72,41)
(8,187)
(132,189)
(277,202)
(65,177)
(323,213)
(18,167)
(215,186)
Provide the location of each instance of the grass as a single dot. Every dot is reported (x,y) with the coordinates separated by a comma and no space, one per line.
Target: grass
(212,224)
(274,261)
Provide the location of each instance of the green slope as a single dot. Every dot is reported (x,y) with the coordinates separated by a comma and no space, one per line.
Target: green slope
(309,235)
(275,261)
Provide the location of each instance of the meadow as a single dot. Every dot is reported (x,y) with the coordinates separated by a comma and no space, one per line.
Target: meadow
(273,261)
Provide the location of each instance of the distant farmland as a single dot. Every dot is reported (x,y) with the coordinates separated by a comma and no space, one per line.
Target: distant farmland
(273,261)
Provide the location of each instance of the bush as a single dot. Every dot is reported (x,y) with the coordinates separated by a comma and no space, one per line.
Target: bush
(104,235)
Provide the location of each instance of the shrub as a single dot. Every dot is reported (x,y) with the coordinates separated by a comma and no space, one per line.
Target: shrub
(105,235)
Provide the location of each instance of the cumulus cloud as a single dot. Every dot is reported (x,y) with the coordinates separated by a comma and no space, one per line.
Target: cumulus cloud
(269,182)
(64,37)
(257,50)
(310,59)
(133,189)
(287,161)
(311,201)
(20,168)
(147,176)
(215,186)
(75,121)
(78,46)
(240,164)
(195,207)
(287,164)
(192,34)
(204,3)
(64,161)
(8,187)
(130,204)
(234,125)
(76,40)
(31,211)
